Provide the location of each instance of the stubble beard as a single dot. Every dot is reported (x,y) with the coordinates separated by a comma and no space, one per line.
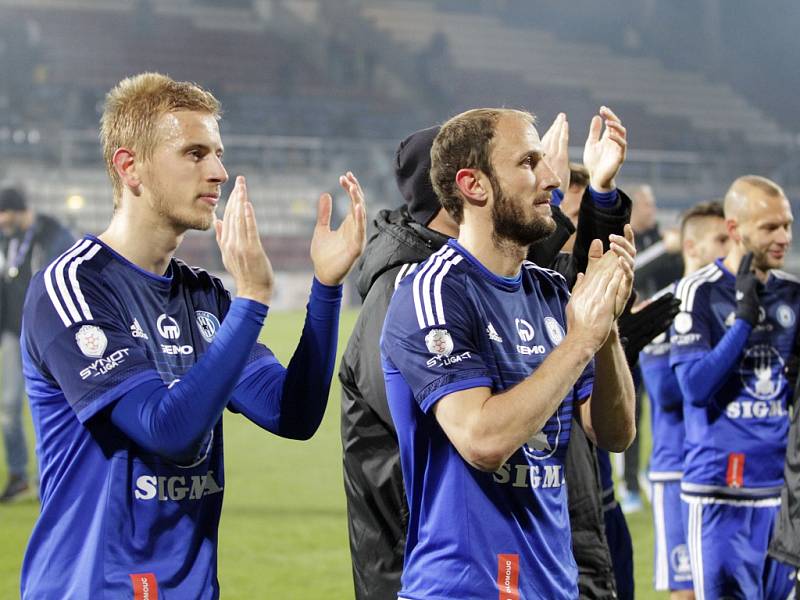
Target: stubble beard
(177,219)
(761,258)
(511,224)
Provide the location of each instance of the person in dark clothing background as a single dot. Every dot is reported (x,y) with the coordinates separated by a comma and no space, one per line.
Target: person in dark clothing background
(658,263)
(373,481)
(28,241)
(785,543)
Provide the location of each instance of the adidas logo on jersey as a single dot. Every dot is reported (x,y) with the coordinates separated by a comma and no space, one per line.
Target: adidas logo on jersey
(137,331)
(493,334)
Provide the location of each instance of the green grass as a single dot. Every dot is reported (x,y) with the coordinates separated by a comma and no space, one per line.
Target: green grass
(284,526)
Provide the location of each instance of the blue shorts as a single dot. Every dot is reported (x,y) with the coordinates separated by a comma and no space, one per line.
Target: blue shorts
(621,548)
(672,569)
(728,542)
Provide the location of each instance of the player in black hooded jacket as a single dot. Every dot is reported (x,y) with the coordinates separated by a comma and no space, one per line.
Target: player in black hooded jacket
(377,510)
(785,544)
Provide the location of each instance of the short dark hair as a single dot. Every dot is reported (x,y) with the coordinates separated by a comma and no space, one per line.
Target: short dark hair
(465,142)
(13,199)
(712,208)
(578,175)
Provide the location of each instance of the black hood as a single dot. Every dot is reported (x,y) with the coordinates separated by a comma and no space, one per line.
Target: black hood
(398,240)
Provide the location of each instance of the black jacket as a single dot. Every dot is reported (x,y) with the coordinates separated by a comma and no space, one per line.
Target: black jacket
(785,545)
(48,239)
(376,504)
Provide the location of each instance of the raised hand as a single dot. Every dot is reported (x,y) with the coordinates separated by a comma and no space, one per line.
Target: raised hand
(591,309)
(604,154)
(748,290)
(242,253)
(334,252)
(555,144)
(624,248)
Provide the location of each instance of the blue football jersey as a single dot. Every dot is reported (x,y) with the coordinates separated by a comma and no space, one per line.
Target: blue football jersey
(666,407)
(736,444)
(116,521)
(454,325)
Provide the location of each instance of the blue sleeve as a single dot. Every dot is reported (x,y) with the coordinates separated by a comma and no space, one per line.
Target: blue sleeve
(659,380)
(78,339)
(585,383)
(170,421)
(700,379)
(692,329)
(430,338)
(604,199)
(557,197)
(291,401)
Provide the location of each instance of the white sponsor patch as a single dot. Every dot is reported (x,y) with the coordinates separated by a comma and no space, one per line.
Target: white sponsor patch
(168,327)
(683,323)
(524,329)
(91,340)
(439,342)
(554,330)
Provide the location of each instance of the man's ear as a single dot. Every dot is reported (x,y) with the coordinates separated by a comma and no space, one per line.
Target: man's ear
(688,246)
(126,166)
(473,186)
(732,225)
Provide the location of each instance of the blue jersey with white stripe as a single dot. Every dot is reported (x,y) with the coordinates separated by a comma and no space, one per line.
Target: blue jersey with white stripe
(114,517)
(666,407)
(453,325)
(736,444)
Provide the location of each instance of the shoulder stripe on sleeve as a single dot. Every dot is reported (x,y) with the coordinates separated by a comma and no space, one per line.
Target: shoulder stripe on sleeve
(431,263)
(688,286)
(531,266)
(426,284)
(73,277)
(428,301)
(785,276)
(56,284)
(437,288)
(48,283)
(405,270)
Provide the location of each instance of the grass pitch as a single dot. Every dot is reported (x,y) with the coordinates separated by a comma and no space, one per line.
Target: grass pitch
(284,525)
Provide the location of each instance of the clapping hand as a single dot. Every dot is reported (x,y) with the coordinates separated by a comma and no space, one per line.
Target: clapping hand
(604,154)
(555,144)
(334,252)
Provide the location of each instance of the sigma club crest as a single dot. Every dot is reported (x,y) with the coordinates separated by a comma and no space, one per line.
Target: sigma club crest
(91,340)
(208,324)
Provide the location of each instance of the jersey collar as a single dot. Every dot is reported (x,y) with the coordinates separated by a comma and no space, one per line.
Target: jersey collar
(159,278)
(511,284)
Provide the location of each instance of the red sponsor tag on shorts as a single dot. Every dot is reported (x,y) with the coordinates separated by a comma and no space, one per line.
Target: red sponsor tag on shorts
(508,576)
(145,586)
(735,475)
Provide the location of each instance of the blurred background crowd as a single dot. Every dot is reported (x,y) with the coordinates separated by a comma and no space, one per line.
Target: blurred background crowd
(312,88)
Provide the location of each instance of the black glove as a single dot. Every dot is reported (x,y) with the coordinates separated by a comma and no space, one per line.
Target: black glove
(638,329)
(748,288)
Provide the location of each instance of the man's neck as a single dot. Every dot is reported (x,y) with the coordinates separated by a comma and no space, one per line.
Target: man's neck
(733,259)
(501,258)
(444,224)
(146,242)
(691,265)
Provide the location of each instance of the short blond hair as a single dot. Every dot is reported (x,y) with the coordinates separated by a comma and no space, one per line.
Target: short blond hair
(132,110)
